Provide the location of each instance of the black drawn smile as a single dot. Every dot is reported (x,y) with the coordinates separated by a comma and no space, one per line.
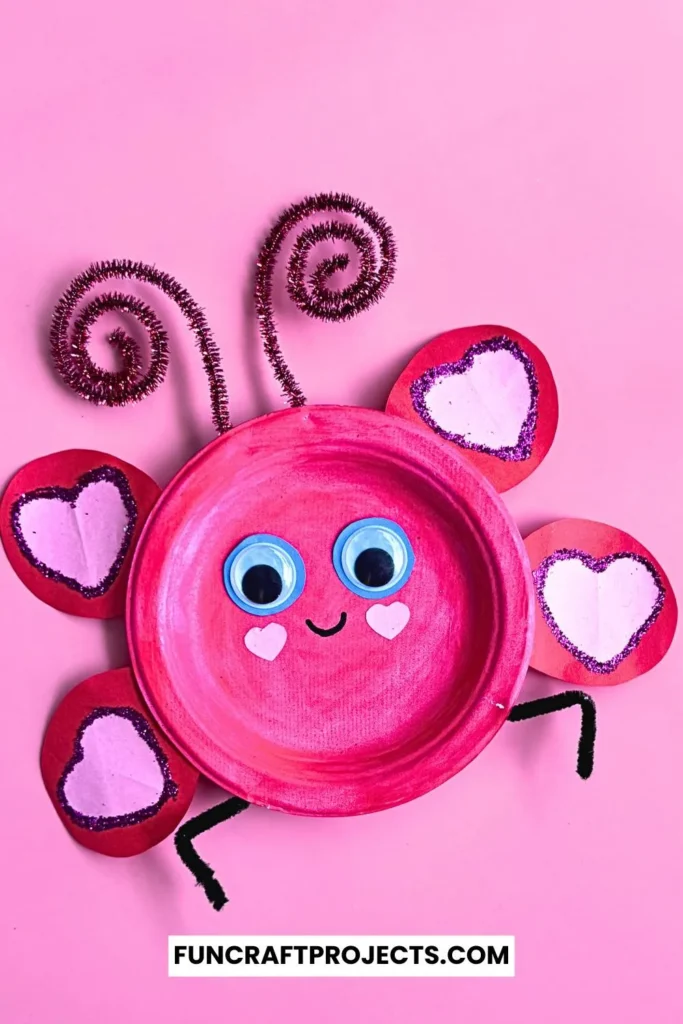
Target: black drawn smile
(327,632)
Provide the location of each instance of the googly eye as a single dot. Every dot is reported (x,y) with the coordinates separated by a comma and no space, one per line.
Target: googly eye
(373,557)
(264,574)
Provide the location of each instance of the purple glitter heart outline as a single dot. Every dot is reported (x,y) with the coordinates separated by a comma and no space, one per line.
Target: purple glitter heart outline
(596,565)
(102,823)
(422,385)
(71,495)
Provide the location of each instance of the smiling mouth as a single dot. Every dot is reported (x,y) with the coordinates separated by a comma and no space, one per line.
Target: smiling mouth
(327,632)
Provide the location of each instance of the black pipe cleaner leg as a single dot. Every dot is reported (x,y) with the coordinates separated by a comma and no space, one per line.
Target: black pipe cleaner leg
(189,856)
(558,702)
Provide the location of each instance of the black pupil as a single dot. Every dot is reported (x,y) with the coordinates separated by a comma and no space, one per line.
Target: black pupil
(261,584)
(374,567)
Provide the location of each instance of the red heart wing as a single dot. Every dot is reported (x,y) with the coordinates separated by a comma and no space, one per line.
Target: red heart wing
(605,610)
(489,391)
(118,785)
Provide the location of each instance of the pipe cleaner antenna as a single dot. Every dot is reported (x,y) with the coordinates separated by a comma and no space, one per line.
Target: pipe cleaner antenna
(129,384)
(310,290)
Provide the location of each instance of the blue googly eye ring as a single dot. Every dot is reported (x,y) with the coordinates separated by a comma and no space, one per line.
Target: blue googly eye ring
(373,558)
(264,574)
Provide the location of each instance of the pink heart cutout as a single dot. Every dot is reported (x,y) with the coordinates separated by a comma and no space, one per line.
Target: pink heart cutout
(118,775)
(487,401)
(78,536)
(388,620)
(598,609)
(266,643)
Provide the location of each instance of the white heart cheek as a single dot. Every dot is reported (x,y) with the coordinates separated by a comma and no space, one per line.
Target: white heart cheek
(388,620)
(266,643)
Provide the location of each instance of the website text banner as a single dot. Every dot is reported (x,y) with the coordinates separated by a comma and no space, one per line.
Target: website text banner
(334,956)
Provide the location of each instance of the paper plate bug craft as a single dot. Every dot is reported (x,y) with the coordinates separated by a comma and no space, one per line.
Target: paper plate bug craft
(329,610)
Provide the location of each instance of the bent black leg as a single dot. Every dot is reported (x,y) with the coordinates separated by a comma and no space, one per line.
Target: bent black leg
(558,702)
(189,856)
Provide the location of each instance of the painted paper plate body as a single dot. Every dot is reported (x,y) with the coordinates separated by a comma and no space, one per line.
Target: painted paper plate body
(606,612)
(487,390)
(69,523)
(345,701)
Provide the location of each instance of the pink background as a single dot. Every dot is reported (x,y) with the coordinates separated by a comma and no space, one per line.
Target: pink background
(529,158)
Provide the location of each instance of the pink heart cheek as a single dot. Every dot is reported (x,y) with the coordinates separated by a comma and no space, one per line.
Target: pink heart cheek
(266,642)
(388,620)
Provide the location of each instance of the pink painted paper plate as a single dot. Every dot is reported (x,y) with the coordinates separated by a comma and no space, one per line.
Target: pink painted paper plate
(398,616)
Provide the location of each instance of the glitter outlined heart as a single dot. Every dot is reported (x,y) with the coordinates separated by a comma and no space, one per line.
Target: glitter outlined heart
(70,496)
(420,388)
(101,823)
(597,565)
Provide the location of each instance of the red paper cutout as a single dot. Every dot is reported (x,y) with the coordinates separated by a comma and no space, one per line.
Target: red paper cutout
(452,356)
(639,604)
(66,478)
(65,750)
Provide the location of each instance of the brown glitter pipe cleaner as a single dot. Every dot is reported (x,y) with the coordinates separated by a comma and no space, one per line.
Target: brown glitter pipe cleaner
(129,384)
(314,296)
